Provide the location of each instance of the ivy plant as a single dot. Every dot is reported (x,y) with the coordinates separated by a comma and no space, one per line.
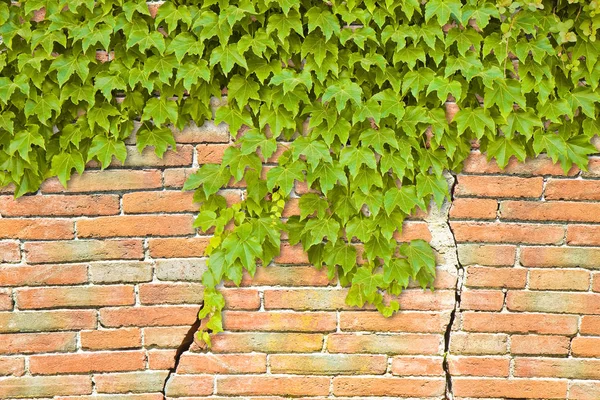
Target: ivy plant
(346,98)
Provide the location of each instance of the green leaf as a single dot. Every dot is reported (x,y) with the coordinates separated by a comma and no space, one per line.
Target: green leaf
(341,254)
(443,87)
(173,15)
(502,149)
(101,116)
(191,73)
(443,10)
(378,138)
(285,176)
(159,138)
(405,199)
(66,66)
(420,256)
(145,40)
(522,122)
(242,89)
(315,151)
(160,111)
(354,157)
(106,83)
(398,270)
(183,44)
(505,93)
(234,117)
(555,110)
(477,120)
(42,107)
(63,164)
(584,98)
(430,184)
(316,230)
(328,174)
(211,177)
(104,148)
(253,139)
(311,203)
(345,90)
(227,57)
(24,141)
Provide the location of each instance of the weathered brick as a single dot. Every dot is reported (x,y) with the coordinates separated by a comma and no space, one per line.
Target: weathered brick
(45,386)
(6,299)
(190,385)
(41,275)
(130,382)
(113,361)
(557,368)
(481,254)
(110,339)
(211,153)
(206,133)
(548,279)
(177,247)
(328,364)
(83,250)
(566,257)
(509,388)
(14,366)
(384,386)
(157,202)
(170,336)
(407,344)
(30,343)
(148,316)
(421,366)
(75,296)
(135,225)
(545,324)
(190,269)
(273,385)
(224,363)
(267,342)
(413,230)
(36,229)
(174,178)
(478,343)
(59,205)
(557,302)
(539,345)
(479,366)
(583,235)
(42,321)
(147,158)
(279,321)
(586,347)
(494,232)
(541,165)
(161,359)
(171,293)
(572,189)
(9,252)
(572,211)
(403,321)
(498,186)
(482,300)
(286,276)
(584,391)
(106,181)
(120,271)
(241,299)
(467,208)
(481,277)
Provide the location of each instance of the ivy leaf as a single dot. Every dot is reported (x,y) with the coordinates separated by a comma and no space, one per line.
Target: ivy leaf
(183,44)
(227,57)
(7,121)
(290,79)
(285,176)
(538,48)
(379,247)
(317,229)
(242,89)
(311,203)
(315,151)
(443,10)
(522,122)
(341,254)
(234,117)
(477,120)
(42,107)
(555,110)
(66,66)
(173,15)
(243,246)
(504,94)
(191,73)
(107,82)
(284,24)
(328,174)
(469,66)
(443,87)
(159,138)
(210,176)
(464,39)
(213,25)
(24,140)
(420,256)
(145,40)
(502,149)
(104,148)
(160,111)
(354,157)
(324,20)
(481,13)
(101,116)
(397,270)
(342,92)
(391,103)
(377,138)
(367,281)
(584,98)
(405,199)
(430,184)
(416,81)
(63,164)
(253,139)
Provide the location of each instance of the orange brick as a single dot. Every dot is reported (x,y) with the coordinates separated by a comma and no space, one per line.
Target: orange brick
(403,321)
(190,385)
(425,344)
(539,345)
(206,133)
(41,275)
(83,250)
(541,165)
(171,293)
(507,233)
(113,361)
(211,153)
(480,277)
(171,336)
(38,228)
(584,391)
(241,299)
(59,205)
(174,178)
(549,279)
(566,257)
(29,343)
(583,235)
(161,359)
(510,388)
(572,368)
(385,386)
(267,342)
(492,255)
(482,300)
(466,208)
(520,323)
(45,386)
(111,339)
(498,186)
(106,181)
(156,202)
(279,321)
(177,247)
(9,252)
(43,321)
(273,385)
(6,300)
(590,325)
(292,255)
(423,366)
(305,299)
(328,364)
(131,382)
(479,366)
(14,366)
(558,302)
(572,189)
(574,211)
(412,231)
(586,347)
(478,343)
(223,363)
(148,316)
(135,225)
(75,296)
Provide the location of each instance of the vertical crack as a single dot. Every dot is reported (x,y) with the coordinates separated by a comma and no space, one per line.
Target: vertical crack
(185,345)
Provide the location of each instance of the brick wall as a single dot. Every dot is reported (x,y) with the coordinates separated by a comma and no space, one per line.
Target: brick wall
(100,286)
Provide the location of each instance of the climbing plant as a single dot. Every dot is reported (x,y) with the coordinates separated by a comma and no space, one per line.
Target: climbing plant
(346,98)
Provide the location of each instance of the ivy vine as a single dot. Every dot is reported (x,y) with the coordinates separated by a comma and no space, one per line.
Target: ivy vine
(356,90)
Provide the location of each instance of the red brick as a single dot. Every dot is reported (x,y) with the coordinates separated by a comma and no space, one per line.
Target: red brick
(190,385)
(206,133)
(161,359)
(171,293)
(480,277)
(541,165)
(131,382)
(482,300)
(509,388)
(45,386)
(328,364)
(498,186)
(403,321)
(574,211)
(83,250)
(106,181)
(9,252)
(539,345)
(273,385)
(59,205)
(111,339)
(75,296)
(114,361)
(566,257)
(584,391)
(494,232)
(6,300)
(14,366)
(478,343)
(38,228)
(409,344)
(492,255)
(267,342)
(241,299)
(479,366)
(147,158)
(572,368)
(520,323)
(412,231)
(279,321)
(422,366)
(385,386)
(135,225)
(466,208)
(572,189)
(174,178)
(170,336)
(156,202)
(590,325)
(292,255)
(42,275)
(149,316)
(586,347)
(211,153)
(583,235)
(177,247)
(550,279)
(42,321)
(223,363)
(557,302)
(29,343)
